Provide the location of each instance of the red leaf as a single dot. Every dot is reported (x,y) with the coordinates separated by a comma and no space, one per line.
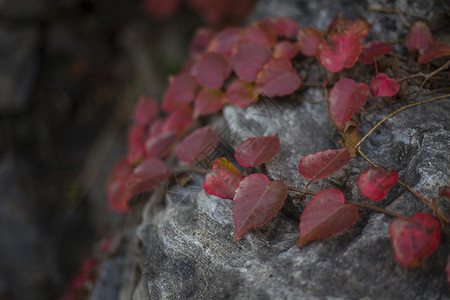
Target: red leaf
(160,146)
(208,102)
(359,28)
(323,164)
(326,214)
(376,182)
(383,86)
(432,52)
(339,51)
(180,120)
(257,200)
(346,98)
(136,141)
(283,26)
(211,70)
(255,151)
(200,42)
(285,49)
(145,110)
(118,197)
(225,41)
(249,59)
(309,41)
(414,239)
(277,79)
(148,175)
(183,87)
(169,103)
(156,127)
(259,34)
(241,93)
(198,145)
(372,50)
(223,180)
(419,37)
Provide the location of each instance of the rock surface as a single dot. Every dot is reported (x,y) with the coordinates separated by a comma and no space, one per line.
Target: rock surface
(188,247)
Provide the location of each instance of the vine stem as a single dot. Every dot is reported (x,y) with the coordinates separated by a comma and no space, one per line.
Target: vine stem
(396,112)
(305,191)
(378,209)
(426,76)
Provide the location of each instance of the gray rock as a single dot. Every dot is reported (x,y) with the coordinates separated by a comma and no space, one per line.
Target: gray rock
(19,48)
(188,248)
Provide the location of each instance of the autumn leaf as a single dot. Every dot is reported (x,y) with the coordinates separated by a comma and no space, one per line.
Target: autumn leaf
(374,183)
(346,98)
(326,214)
(249,59)
(277,79)
(211,70)
(350,137)
(414,239)
(240,93)
(183,87)
(198,145)
(309,40)
(283,26)
(208,102)
(225,41)
(200,41)
(419,37)
(257,200)
(159,146)
(339,51)
(145,111)
(179,120)
(118,196)
(432,52)
(148,175)
(255,151)
(323,164)
(372,50)
(383,86)
(223,180)
(285,49)
(260,34)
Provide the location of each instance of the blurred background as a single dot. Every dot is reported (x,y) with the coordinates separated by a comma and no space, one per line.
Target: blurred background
(70,73)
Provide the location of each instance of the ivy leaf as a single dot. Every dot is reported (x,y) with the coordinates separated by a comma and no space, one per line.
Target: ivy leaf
(259,34)
(277,79)
(223,180)
(309,40)
(374,183)
(145,111)
(169,103)
(339,51)
(414,239)
(240,93)
(160,145)
(200,42)
(346,98)
(419,37)
(136,141)
(225,41)
(359,28)
(118,196)
(255,151)
(432,52)
(179,120)
(372,50)
(285,49)
(326,214)
(156,127)
(208,102)
(323,164)
(257,200)
(249,59)
(183,87)
(283,26)
(148,175)
(211,70)
(383,86)
(198,145)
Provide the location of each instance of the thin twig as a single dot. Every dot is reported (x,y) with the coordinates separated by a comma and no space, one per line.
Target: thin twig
(304,191)
(396,112)
(426,76)
(378,209)
(417,195)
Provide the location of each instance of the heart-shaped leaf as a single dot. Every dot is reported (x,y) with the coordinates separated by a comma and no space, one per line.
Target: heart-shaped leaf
(285,49)
(326,214)
(183,87)
(309,40)
(376,182)
(419,37)
(346,98)
(259,34)
(208,102)
(241,93)
(434,51)
(257,200)
(223,180)
(198,145)
(415,239)
(200,42)
(373,50)
(148,175)
(339,51)
(324,163)
(225,41)
(118,196)
(211,70)
(277,79)
(383,86)
(249,59)
(255,151)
